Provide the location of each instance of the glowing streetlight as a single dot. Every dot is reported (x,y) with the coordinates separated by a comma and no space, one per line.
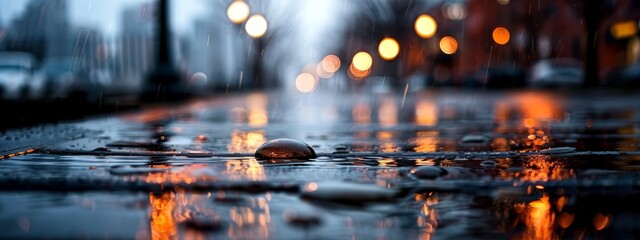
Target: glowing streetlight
(238,11)
(425,26)
(256,26)
(501,35)
(362,61)
(388,49)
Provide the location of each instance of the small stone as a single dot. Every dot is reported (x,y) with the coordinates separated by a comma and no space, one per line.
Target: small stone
(428,172)
(201,139)
(474,139)
(285,148)
(488,163)
(102,149)
(355,194)
(558,150)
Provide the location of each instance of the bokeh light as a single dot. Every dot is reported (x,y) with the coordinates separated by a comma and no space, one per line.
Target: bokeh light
(501,35)
(425,26)
(256,26)
(503,2)
(305,82)
(448,45)
(456,11)
(238,11)
(356,74)
(362,61)
(388,49)
(330,63)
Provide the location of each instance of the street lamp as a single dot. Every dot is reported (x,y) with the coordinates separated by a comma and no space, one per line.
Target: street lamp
(425,26)
(388,49)
(256,26)
(238,11)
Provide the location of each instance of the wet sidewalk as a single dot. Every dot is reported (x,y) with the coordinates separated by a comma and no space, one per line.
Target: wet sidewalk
(447,164)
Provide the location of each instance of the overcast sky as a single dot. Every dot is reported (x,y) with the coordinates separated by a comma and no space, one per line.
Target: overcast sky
(105,14)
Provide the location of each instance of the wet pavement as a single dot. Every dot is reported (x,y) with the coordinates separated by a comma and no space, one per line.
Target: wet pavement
(447,164)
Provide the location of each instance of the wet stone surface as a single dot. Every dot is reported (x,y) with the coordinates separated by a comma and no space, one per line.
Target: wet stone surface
(449,165)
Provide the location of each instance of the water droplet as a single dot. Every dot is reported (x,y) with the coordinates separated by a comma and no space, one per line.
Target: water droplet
(474,139)
(357,194)
(428,172)
(285,148)
(558,150)
(102,149)
(488,163)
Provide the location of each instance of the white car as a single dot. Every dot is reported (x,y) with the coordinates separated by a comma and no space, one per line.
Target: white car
(17,78)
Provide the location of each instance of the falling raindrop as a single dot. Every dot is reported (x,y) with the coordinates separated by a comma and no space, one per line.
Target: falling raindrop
(285,148)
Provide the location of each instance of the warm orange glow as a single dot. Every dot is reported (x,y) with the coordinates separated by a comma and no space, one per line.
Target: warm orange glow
(388,112)
(238,11)
(426,113)
(425,26)
(627,29)
(256,26)
(356,74)
(426,141)
(361,113)
(330,63)
(565,220)
(601,221)
(539,219)
(311,187)
(501,35)
(258,115)
(362,61)
(388,49)
(541,168)
(245,169)
(163,225)
(448,45)
(306,82)
(246,142)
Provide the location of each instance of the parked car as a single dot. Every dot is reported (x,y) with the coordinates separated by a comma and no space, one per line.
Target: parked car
(556,73)
(17,78)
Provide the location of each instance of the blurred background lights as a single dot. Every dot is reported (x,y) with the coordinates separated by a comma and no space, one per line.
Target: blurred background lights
(362,61)
(388,49)
(448,45)
(305,82)
(256,26)
(501,35)
(503,2)
(238,11)
(330,63)
(425,26)
(455,11)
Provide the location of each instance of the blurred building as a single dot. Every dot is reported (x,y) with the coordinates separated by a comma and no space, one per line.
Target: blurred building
(43,29)
(136,41)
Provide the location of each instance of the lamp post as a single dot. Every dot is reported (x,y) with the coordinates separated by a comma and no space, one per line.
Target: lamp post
(163,81)
(256,27)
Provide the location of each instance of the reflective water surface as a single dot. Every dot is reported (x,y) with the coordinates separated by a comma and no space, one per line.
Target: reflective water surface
(442,165)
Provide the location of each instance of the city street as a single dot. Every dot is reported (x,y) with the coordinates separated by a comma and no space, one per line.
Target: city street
(440,164)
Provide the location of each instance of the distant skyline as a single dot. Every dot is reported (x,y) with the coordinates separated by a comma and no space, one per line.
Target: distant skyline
(106,14)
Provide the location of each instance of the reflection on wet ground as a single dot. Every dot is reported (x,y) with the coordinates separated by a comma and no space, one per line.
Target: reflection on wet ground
(521,165)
